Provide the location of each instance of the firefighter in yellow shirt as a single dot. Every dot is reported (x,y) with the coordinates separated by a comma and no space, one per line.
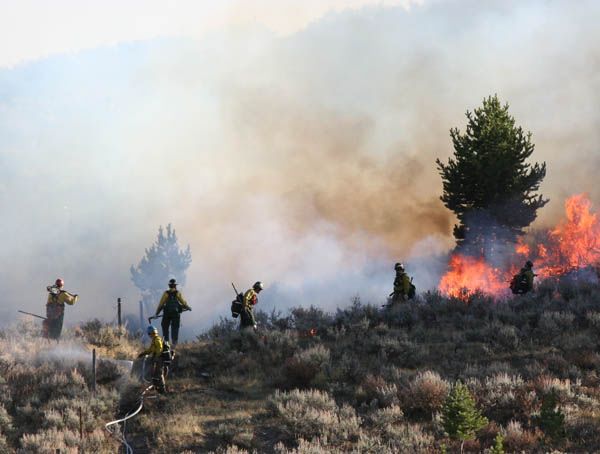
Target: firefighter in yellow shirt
(55,309)
(403,287)
(172,305)
(250,300)
(154,351)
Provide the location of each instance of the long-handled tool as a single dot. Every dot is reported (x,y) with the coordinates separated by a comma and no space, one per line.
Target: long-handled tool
(33,315)
(154,317)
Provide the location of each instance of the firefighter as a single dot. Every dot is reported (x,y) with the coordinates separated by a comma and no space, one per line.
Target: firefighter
(250,300)
(154,351)
(55,309)
(403,287)
(523,281)
(172,305)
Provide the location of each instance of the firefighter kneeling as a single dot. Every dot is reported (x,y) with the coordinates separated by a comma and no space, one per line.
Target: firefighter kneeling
(160,362)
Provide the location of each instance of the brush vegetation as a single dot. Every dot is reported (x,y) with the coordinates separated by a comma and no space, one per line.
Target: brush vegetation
(434,375)
(46,399)
(384,381)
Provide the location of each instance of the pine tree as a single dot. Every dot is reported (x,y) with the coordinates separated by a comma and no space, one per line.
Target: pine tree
(487,183)
(552,419)
(498,447)
(161,262)
(460,417)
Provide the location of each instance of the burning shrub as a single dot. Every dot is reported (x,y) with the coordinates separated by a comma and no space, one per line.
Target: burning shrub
(311,414)
(312,318)
(427,392)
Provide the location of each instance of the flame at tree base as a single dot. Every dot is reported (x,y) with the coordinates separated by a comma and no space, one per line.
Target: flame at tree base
(572,245)
(469,275)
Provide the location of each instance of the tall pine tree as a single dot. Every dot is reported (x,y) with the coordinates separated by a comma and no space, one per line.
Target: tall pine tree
(488,182)
(161,262)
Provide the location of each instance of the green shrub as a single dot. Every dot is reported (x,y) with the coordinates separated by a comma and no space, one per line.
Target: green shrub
(498,447)
(551,419)
(460,417)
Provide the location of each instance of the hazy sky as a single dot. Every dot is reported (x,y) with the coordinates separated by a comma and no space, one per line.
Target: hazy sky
(290,144)
(32,29)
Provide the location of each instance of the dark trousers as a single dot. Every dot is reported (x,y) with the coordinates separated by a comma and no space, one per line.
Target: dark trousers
(171,322)
(247,319)
(158,376)
(54,322)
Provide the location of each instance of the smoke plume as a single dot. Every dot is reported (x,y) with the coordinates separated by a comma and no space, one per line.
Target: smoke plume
(306,161)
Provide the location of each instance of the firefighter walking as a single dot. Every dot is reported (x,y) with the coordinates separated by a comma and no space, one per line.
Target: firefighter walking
(172,304)
(250,300)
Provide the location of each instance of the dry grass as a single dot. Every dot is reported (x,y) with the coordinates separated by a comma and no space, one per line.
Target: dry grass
(370,381)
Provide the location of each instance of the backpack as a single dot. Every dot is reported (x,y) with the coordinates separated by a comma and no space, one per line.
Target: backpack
(172,306)
(166,355)
(518,284)
(237,305)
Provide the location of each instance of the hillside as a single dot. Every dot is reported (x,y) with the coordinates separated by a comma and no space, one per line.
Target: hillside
(369,380)
(364,379)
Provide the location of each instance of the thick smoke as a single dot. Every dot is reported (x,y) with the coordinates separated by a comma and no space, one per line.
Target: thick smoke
(306,161)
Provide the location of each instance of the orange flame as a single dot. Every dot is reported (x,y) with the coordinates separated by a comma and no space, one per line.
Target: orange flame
(573,244)
(468,275)
(522,248)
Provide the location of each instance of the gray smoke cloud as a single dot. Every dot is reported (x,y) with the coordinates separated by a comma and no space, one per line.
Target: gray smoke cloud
(306,161)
